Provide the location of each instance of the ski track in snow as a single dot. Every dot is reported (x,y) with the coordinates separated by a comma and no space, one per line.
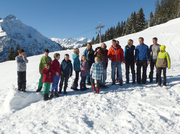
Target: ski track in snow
(128,109)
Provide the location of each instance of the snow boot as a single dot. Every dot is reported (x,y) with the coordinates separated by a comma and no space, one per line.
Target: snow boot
(60,89)
(51,96)
(56,94)
(93,87)
(46,97)
(65,90)
(97,90)
(39,89)
(74,87)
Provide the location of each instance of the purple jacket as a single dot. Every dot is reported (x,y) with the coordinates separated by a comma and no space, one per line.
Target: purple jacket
(104,62)
(84,68)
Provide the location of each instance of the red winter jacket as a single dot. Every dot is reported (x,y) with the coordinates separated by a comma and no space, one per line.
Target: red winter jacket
(55,67)
(47,75)
(116,55)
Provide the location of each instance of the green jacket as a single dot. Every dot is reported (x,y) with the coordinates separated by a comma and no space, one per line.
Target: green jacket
(43,61)
(163,60)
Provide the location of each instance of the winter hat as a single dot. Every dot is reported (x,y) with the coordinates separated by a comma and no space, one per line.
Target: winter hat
(163,47)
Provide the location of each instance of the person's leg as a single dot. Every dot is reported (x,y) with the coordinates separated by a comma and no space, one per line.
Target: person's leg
(117,74)
(104,76)
(159,76)
(113,67)
(151,71)
(66,83)
(127,71)
(97,88)
(55,83)
(24,81)
(19,83)
(164,74)
(46,90)
(82,83)
(93,85)
(132,71)
(144,77)
(88,77)
(139,72)
(61,83)
(40,83)
(120,72)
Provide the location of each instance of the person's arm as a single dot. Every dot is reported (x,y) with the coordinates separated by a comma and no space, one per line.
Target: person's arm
(41,65)
(168,60)
(109,53)
(136,54)
(148,54)
(122,54)
(43,71)
(125,54)
(91,70)
(53,69)
(25,59)
(157,61)
(71,69)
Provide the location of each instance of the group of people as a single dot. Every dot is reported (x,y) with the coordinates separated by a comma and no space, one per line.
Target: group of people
(93,67)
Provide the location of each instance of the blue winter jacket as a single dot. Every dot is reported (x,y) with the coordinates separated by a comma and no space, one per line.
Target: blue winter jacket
(76,62)
(66,67)
(142,52)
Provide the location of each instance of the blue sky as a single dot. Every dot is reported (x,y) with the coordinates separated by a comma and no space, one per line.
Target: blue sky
(73,18)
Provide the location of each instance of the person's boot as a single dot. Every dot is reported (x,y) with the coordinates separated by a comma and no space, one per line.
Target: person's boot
(134,80)
(127,79)
(56,94)
(51,96)
(65,90)
(93,87)
(97,90)
(46,97)
(39,89)
(74,87)
(60,89)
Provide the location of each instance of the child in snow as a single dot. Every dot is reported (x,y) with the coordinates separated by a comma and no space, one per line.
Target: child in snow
(76,66)
(44,59)
(21,70)
(96,73)
(66,72)
(163,61)
(56,71)
(84,72)
(47,80)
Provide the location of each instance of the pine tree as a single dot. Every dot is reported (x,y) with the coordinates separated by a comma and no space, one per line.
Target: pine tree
(16,52)
(140,20)
(92,41)
(11,54)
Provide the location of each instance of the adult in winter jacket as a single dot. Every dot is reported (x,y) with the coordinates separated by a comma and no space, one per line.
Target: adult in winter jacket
(21,70)
(56,71)
(66,69)
(142,60)
(115,54)
(44,59)
(47,80)
(76,65)
(96,73)
(89,53)
(154,50)
(129,52)
(163,62)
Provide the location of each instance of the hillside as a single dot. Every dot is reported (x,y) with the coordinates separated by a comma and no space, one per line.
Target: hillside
(128,109)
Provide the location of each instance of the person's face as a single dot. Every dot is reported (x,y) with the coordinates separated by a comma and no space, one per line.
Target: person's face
(141,41)
(66,58)
(83,58)
(57,58)
(113,43)
(21,54)
(154,41)
(103,47)
(89,46)
(47,67)
(46,54)
(131,43)
(98,50)
(117,43)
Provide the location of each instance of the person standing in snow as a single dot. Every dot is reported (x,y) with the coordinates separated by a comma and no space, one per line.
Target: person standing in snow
(96,73)
(163,62)
(115,54)
(66,71)
(56,71)
(89,53)
(117,73)
(141,60)
(154,50)
(76,66)
(47,80)
(21,70)
(44,59)
(129,52)
(84,73)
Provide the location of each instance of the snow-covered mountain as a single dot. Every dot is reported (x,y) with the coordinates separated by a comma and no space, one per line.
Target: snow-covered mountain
(13,32)
(71,43)
(129,109)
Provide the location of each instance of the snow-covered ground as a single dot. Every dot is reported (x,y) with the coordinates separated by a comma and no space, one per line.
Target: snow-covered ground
(146,109)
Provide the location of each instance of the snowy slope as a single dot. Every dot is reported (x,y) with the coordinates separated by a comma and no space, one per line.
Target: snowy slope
(71,43)
(130,109)
(13,32)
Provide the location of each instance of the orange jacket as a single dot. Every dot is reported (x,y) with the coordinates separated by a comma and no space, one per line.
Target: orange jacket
(116,55)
